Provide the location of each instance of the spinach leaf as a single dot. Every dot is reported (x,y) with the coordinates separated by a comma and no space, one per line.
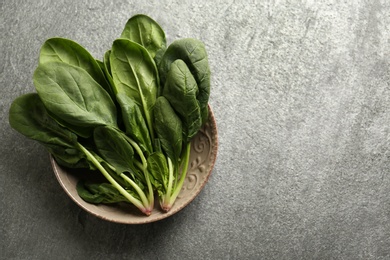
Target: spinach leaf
(106,62)
(158,167)
(69,157)
(99,193)
(134,122)
(107,68)
(114,148)
(100,63)
(72,95)
(181,90)
(135,74)
(145,31)
(68,51)
(70,160)
(193,53)
(168,127)
(29,117)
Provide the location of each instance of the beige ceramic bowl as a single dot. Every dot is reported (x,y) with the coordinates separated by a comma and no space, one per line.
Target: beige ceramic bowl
(204,148)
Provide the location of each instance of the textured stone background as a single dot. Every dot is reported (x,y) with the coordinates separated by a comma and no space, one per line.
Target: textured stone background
(301,93)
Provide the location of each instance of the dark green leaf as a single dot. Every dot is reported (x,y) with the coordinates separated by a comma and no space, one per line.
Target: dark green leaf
(72,95)
(99,193)
(69,157)
(147,32)
(29,117)
(107,68)
(100,63)
(181,91)
(70,52)
(158,167)
(114,148)
(193,53)
(134,74)
(168,127)
(134,122)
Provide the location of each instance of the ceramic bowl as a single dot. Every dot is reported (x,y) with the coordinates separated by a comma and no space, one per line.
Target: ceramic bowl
(204,148)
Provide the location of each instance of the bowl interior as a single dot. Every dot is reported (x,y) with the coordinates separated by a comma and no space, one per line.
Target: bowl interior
(204,148)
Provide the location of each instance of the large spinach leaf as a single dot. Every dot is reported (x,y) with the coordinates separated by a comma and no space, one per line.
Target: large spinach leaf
(135,74)
(72,95)
(181,91)
(68,51)
(144,30)
(193,53)
(29,117)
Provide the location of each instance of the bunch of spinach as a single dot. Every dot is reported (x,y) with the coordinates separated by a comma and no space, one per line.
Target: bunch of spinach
(130,116)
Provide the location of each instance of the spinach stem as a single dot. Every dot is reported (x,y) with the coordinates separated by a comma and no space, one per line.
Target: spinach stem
(183,173)
(128,196)
(137,189)
(165,202)
(144,169)
(170,178)
(138,150)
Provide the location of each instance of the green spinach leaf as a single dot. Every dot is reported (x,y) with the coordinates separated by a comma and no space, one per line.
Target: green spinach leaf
(29,117)
(72,95)
(158,167)
(193,53)
(99,193)
(134,122)
(168,127)
(181,91)
(114,148)
(135,74)
(144,30)
(68,51)
(107,70)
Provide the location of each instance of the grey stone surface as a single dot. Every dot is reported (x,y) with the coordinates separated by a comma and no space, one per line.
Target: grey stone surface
(301,93)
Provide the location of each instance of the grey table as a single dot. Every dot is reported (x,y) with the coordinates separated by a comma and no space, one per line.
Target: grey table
(301,94)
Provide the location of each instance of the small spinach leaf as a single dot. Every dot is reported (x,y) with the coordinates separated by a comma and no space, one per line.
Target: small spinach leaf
(134,122)
(107,68)
(114,148)
(158,167)
(99,193)
(69,157)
